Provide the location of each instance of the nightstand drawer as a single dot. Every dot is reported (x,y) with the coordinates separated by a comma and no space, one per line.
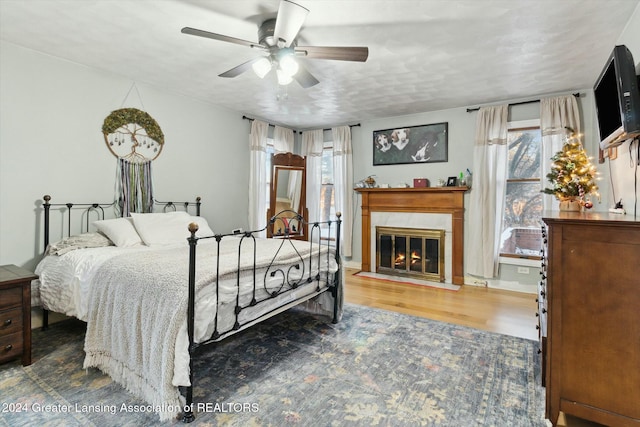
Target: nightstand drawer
(10,346)
(10,321)
(11,297)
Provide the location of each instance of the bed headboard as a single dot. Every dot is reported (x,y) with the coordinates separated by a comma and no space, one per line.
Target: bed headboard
(85,213)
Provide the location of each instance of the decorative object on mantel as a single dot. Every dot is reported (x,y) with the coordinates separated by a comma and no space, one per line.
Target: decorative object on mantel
(368,182)
(414,144)
(452,181)
(420,182)
(573,176)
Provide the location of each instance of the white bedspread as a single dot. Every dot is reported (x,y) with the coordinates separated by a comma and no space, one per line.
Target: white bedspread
(135,307)
(65,281)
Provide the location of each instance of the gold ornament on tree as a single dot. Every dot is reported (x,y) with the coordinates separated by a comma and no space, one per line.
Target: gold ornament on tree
(573,176)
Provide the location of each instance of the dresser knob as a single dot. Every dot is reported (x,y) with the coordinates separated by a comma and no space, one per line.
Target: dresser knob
(7,322)
(544,310)
(8,347)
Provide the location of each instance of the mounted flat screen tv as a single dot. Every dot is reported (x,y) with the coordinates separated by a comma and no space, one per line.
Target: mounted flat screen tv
(618,99)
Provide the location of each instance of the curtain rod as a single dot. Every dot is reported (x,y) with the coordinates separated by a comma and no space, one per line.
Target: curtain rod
(299,131)
(577,95)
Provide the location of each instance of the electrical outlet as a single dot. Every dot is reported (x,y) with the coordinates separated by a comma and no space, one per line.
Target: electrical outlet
(523,270)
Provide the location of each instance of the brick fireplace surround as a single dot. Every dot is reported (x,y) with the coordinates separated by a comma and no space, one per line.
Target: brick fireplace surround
(448,200)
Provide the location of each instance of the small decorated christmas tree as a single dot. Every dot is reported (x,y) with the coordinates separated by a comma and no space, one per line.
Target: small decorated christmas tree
(572,174)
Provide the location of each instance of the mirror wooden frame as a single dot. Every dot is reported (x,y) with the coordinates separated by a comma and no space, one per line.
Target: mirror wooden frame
(289,162)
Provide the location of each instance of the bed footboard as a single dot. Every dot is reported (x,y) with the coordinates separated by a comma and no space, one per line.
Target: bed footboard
(322,251)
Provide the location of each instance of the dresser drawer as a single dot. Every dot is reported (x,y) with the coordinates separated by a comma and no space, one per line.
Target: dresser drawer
(10,346)
(11,297)
(10,321)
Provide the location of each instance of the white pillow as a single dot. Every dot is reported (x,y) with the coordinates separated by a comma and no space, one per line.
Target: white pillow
(120,231)
(162,229)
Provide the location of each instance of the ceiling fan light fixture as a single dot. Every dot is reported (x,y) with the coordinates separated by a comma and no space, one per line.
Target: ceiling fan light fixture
(283,78)
(289,65)
(261,67)
(277,39)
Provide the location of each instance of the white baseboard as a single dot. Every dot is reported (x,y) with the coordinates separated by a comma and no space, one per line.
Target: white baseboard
(505,285)
(475,281)
(36,317)
(353,264)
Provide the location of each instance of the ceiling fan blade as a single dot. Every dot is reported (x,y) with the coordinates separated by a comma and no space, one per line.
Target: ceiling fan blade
(207,34)
(290,18)
(305,78)
(339,53)
(236,71)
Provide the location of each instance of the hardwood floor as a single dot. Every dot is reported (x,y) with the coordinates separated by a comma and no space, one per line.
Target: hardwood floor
(506,312)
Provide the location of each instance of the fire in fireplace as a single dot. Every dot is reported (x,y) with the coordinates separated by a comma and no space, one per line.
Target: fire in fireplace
(410,252)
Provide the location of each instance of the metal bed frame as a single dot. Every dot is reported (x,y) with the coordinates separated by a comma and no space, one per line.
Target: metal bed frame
(86,210)
(318,248)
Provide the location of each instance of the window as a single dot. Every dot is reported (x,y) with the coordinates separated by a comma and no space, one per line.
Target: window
(327,194)
(521,232)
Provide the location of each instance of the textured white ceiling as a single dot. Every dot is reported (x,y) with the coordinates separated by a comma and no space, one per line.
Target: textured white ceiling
(423,55)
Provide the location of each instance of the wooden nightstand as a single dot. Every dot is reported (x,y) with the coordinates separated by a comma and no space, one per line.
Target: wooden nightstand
(15,313)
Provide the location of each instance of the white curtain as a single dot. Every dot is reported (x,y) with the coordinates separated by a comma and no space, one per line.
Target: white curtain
(312,145)
(258,176)
(282,140)
(488,193)
(556,115)
(343,183)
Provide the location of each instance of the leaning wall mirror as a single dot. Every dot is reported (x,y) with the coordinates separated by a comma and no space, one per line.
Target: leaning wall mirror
(288,193)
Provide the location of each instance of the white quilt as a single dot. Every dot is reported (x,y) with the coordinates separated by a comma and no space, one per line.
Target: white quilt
(134,303)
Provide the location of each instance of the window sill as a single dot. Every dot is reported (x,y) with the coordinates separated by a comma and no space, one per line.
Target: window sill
(526,261)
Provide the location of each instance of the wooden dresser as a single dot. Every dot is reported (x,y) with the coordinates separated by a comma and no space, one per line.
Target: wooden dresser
(592,351)
(15,313)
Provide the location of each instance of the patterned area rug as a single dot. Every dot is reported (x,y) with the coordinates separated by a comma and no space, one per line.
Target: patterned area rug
(374,368)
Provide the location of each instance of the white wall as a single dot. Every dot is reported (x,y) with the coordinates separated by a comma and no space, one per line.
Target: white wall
(51,115)
(622,173)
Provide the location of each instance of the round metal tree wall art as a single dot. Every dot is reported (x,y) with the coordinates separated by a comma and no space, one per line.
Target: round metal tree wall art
(133,135)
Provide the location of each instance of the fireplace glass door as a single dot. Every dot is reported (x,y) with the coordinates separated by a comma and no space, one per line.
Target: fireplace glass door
(410,252)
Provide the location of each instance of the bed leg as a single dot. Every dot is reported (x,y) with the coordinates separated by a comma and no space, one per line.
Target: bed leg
(336,303)
(188,416)
(337,296)
(45,319)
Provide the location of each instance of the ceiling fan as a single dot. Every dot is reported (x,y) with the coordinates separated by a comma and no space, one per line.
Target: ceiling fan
(277,38)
